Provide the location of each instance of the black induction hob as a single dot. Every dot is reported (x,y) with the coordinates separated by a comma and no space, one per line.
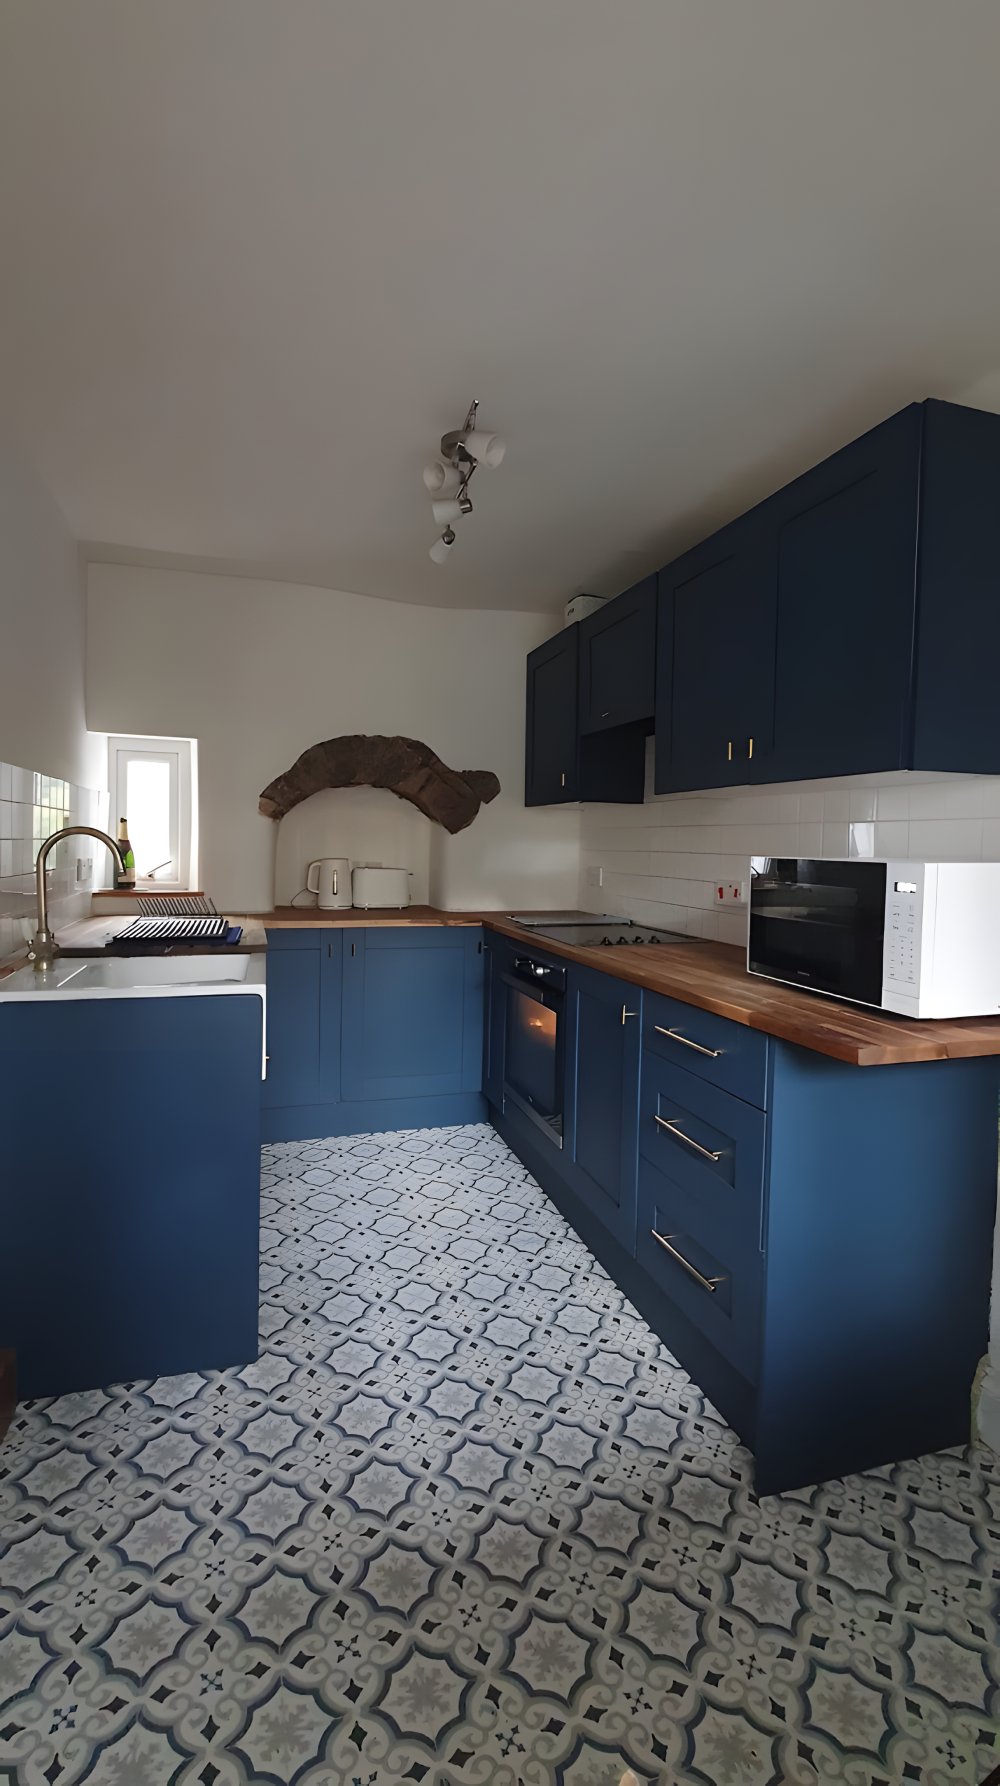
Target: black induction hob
(592,931)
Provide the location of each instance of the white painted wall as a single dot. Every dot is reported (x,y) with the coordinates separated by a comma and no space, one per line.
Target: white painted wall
(258,671)
(42,725)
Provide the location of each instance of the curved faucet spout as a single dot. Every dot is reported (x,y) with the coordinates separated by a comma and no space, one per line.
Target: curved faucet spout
(43,948)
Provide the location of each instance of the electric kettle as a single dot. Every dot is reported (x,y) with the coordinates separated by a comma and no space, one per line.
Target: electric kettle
(330,880)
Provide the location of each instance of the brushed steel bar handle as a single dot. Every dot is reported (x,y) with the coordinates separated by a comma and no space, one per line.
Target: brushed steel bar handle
(675,1036)
(710,1284)
(729,752)
(626,1013)
(562,779)
(706,1152)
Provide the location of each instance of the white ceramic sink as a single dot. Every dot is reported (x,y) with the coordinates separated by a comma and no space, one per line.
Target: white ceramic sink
(135,976)
(138,976)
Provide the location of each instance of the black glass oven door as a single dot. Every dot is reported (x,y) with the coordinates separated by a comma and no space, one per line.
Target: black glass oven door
(533,1068)
(819,925)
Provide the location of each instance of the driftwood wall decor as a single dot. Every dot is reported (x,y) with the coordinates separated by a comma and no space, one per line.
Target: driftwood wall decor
(409,769)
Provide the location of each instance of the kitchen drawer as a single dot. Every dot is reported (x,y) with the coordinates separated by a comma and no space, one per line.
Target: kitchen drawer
(726,1054)
(297,939)
(713,1149)
(713,1272)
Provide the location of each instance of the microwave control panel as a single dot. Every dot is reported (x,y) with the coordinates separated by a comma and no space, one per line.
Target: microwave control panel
(903,905)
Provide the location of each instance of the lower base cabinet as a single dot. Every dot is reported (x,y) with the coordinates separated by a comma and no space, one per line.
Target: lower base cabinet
(601,1121)
(372,1028)
(811,1240)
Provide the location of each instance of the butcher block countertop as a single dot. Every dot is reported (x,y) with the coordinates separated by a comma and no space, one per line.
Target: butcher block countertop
(295,917)
(712,977)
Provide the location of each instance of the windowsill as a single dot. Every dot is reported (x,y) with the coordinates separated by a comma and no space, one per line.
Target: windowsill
(148,892)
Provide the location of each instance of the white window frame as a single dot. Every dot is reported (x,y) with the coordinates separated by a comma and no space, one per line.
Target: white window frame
(178,754)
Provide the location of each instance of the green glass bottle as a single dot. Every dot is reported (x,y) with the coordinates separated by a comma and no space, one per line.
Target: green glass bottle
(125,878)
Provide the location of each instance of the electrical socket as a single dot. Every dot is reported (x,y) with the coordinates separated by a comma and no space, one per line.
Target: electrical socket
(594,877)
(731,893)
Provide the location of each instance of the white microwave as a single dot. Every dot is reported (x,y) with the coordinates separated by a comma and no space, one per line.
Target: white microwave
(920,938)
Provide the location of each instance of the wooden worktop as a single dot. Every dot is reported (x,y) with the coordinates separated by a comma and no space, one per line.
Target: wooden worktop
(710,976)
(713,977)
(295,917)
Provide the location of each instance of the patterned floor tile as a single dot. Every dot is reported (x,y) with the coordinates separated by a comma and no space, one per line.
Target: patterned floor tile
(465,1522)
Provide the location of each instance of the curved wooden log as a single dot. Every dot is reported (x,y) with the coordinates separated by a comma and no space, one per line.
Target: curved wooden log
(407,768)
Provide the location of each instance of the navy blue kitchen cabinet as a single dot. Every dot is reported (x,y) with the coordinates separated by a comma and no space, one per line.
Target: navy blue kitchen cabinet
(812,1240)
(496,952)
(550,758)
(848,624)
(294,1019)
(618,660)
(715,661)
(845,538)
(561,763)
(132,1168)
(372,1028)
(413,1013)
(601,1124)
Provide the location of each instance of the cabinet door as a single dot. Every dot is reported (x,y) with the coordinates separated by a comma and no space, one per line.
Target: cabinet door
(495,955)
(604,1017)
(846,546)
(292,1019)
(550,760)
(617,664)
(715,660)
(412,1013)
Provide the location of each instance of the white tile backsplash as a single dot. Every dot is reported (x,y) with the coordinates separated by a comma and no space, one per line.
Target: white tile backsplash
(32,807)
(663,862)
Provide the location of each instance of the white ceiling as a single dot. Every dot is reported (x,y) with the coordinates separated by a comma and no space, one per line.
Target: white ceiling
(259,254)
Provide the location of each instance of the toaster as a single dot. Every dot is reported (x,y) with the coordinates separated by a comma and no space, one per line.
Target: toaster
(388,887)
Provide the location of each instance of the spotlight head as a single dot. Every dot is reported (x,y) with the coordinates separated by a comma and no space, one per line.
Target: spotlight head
(485,449)
(442,547)
(442,479)
(452,510)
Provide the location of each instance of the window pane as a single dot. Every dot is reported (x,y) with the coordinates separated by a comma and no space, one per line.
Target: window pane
(147,811)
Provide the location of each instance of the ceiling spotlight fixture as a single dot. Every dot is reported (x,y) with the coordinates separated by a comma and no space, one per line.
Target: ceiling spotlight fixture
(441,547)
(447,478)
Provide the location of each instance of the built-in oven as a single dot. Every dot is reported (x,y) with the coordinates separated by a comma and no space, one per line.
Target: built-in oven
(534,1047)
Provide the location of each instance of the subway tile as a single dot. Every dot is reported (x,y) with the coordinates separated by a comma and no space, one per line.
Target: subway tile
(991,796)
(991,840)
(836,841)
(810,806)
(836,804)
(861,838)
(862,804)
(892,803)
(892,838)
(22,785)
(6,781)
(961,799)
(946,840)
(733,928)
(810,840)
(6,858)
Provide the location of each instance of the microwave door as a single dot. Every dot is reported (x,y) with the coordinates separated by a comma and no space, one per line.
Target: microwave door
(819,925)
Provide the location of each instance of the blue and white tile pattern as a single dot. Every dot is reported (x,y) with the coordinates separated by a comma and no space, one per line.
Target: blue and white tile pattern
(466,1521)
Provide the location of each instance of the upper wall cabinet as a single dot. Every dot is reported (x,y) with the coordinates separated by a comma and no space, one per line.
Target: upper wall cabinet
(550,755)
(617,667)
(561,761)
(715,663)
(849,624)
